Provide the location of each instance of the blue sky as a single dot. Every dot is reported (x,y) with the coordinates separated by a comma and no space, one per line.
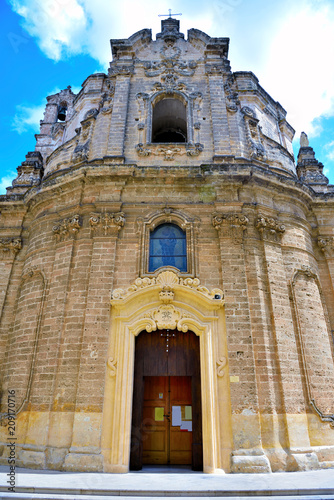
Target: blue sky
(47,45)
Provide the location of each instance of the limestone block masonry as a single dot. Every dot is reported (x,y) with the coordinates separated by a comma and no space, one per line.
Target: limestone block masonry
(170,136)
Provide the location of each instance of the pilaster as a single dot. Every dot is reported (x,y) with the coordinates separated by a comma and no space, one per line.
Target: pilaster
(248,455)
(271,231)
(85,447)
(120,108)
(220,127)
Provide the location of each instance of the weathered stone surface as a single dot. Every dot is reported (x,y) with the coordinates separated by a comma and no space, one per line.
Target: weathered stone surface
(75,232)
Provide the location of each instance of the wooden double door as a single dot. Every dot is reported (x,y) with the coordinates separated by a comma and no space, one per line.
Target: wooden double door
(166,415)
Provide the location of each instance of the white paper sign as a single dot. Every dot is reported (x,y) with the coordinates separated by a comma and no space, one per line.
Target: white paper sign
(176,416)
(187,426)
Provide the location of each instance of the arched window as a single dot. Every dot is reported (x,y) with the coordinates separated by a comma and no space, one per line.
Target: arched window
(168,247)
(169,123)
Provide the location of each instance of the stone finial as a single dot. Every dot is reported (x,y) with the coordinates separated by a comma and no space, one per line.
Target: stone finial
(304,142)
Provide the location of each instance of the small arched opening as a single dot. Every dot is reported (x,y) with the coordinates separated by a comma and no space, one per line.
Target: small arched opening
(169,123)
(62,112)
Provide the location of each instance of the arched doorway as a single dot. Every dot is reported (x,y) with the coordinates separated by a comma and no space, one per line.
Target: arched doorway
(166,410)
(167,301)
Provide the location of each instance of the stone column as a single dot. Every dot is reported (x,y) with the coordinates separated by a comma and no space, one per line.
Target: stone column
(119,112)
(298,442)
(85,447)
(248,455)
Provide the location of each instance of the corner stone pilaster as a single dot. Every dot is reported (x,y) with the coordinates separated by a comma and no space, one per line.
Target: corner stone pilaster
(247,456)
(9,247)
(104,230)
(271,231)
(119,113)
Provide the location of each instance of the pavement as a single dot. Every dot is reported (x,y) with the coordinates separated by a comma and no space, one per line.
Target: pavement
(156,482)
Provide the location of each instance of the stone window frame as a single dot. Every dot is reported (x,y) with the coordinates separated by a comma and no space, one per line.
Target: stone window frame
(167,216)
(175,94)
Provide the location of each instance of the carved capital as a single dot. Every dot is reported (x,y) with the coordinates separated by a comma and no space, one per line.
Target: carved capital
(232,225)
(326,244)
(270,228)
(67,227)
(106,223)
(9,247)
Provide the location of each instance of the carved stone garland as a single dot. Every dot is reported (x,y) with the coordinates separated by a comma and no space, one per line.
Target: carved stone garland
(253,135)
(84,135)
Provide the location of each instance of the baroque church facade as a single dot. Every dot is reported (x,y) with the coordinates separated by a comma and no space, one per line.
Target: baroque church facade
(166,284)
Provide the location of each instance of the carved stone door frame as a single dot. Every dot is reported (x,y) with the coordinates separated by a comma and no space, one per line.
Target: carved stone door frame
(167,302)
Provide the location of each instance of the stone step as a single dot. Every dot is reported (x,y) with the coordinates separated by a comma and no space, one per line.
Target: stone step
(53,485)
(79,496)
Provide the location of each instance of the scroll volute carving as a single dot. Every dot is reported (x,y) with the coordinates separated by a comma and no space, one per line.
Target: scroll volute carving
(231,225)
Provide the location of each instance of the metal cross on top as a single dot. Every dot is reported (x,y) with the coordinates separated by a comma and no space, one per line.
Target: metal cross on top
(169,15)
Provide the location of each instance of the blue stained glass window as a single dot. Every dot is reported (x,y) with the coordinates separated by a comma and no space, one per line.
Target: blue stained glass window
(168,247)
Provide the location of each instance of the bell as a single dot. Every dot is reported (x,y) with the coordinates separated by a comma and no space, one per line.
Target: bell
(62,114)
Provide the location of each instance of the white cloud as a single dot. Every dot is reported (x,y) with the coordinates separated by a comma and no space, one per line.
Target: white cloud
(299,72)
(27,118)
(58,25)
(6,181)
(288,45)
(329,150)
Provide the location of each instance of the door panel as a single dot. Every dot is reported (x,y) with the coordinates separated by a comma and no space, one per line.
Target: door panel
(180,438)
(164,442)
(166,357)
(154,431)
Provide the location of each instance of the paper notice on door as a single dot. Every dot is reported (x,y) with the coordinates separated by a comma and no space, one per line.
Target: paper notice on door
(159,414)
(188,413)
(186,426)
(176,416)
